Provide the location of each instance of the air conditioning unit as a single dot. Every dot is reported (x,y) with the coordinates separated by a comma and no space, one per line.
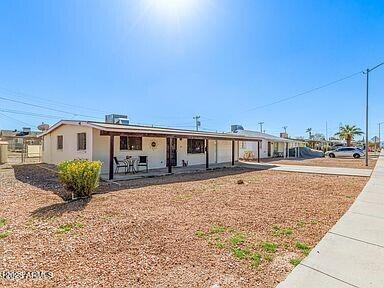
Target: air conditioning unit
(117,119)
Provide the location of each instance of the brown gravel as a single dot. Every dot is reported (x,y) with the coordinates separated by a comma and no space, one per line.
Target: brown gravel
(326,162)
(143,233)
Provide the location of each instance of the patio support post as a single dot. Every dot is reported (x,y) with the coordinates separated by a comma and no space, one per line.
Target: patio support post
(233,152)
(111,153)
(258,151)
(169,164)
(206,154)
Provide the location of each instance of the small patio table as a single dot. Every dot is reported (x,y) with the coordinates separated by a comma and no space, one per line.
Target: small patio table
(132,163)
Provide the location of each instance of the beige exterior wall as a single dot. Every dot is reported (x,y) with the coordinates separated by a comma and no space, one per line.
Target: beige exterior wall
(52,155)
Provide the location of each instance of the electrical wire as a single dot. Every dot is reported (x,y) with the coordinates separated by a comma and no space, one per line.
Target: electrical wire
(47,108)
(305,92)
(29,114)
(33,97)
(17,120)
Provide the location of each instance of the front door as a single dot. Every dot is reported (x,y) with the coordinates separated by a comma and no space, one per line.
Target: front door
(172,151)
(269,149)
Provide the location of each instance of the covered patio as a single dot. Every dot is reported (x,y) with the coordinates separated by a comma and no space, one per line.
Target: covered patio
(175,171)
(171,137)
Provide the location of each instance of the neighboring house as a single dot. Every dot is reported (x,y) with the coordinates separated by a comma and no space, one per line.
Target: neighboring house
(17,139)
(164,147)
(270,146)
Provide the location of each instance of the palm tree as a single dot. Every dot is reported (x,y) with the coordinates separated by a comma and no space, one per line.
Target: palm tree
(309,131)
(348,132)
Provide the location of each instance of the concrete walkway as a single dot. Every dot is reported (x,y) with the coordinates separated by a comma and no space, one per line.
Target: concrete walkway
(313,169)
(351,254)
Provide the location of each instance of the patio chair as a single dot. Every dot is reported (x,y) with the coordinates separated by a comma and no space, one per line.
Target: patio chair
(143,162)
(120,164)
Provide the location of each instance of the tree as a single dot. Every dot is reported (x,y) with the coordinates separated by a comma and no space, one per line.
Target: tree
(348,132)
(309,131)
(318,136)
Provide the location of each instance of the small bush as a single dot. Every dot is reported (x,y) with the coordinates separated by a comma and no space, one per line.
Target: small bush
(240,253)
(237,239)
(4,234)
(295,261)
(80,177)
(255,260)
(269,247)
(64,228)
(303,247)
(3,221)
(200,234)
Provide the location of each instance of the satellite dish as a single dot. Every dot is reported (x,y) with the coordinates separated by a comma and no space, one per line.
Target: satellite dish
(43,127)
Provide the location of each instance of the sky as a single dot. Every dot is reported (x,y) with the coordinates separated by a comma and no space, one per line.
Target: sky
(161,62)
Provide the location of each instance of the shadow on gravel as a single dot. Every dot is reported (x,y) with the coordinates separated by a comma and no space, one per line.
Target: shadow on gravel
(44,177)
(58,209)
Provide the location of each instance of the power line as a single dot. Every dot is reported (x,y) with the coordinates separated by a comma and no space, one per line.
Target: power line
(305,92)
(25,95)
(29,113)
(17,120)
(47,108)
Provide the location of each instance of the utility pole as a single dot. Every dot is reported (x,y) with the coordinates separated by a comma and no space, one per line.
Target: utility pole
(366,111)
(261,126)
(326,130)
(197,122)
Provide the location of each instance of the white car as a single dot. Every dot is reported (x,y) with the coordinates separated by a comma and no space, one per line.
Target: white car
(345,152)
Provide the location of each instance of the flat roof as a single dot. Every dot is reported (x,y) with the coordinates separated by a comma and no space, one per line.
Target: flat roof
(152,131)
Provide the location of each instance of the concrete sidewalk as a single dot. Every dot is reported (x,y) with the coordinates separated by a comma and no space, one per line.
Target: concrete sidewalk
(351,254)
(312,169)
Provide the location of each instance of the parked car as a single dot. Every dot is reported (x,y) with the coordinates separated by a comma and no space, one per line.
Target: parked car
(345,152)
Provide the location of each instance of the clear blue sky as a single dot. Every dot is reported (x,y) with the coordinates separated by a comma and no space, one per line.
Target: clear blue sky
(161,62)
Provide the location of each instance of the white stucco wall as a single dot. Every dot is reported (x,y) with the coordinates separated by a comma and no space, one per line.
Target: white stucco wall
(219,151)
(252,146)
(156,155)
(98,149)
(52,155)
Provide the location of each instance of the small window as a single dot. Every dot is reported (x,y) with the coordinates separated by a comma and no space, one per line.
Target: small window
(243,145)
(81,141)
(195,146)
(131,143)
(60,142)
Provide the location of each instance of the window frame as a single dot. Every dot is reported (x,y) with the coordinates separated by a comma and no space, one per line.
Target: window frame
(59,147)
(129,147)
(190,146)
(78,141)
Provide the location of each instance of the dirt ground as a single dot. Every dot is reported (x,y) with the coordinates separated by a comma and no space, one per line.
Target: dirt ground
(326,162)
(195,230)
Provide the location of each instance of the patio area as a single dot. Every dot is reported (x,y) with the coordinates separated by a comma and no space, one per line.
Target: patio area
(175,171)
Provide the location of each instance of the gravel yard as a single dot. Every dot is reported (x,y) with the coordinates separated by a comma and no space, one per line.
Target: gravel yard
(326,162)
(194,230)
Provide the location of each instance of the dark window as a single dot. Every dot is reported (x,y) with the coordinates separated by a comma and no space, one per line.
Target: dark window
(60,142)
(131,143)
(81,141)
(195,146)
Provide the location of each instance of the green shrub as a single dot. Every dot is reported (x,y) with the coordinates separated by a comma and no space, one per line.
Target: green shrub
(80,177)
